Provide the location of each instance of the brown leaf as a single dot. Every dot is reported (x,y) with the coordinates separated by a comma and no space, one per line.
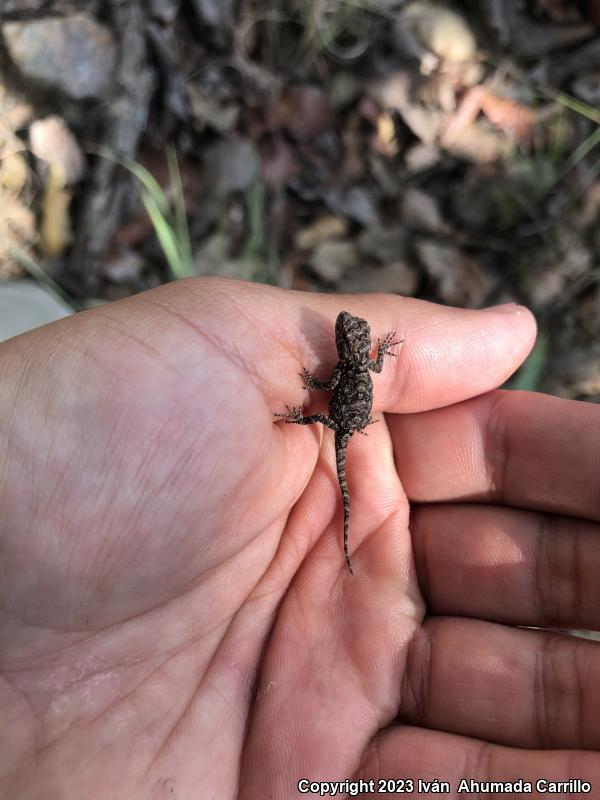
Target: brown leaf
(394,93)
(323,229)
(14,172)
(52,141)
(420,212)
(479,144)
(302,110)
(514,119)
(17,230)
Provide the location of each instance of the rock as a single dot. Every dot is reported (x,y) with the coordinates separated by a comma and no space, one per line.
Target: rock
(332,260)
(73,54)
(459,279)
(25,305)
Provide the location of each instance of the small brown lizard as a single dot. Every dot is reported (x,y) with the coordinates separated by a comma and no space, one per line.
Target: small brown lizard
(352,400)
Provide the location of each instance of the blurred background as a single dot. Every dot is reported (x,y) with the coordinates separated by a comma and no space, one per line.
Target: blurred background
(442,151)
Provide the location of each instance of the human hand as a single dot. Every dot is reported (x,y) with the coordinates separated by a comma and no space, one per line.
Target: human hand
(177,615)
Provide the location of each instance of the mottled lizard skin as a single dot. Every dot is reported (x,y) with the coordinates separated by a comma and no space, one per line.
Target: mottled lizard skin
(352,400)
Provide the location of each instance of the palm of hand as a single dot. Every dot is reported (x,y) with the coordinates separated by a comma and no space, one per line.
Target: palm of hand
(179,611)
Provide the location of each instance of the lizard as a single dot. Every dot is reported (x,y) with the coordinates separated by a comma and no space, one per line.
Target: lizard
(352,399)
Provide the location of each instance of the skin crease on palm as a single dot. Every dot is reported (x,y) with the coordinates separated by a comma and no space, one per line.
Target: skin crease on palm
(177,617)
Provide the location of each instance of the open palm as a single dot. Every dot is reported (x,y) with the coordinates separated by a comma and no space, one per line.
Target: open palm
(177,617)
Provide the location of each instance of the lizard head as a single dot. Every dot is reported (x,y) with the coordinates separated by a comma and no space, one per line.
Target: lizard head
(352,339)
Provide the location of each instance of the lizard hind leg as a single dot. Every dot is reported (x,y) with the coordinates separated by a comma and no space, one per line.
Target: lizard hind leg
(294,414)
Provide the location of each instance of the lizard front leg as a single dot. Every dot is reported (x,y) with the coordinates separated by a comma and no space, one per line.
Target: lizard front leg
(383,349)
(310,382)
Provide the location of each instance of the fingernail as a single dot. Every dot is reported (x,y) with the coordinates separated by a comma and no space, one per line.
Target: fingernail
(506,308)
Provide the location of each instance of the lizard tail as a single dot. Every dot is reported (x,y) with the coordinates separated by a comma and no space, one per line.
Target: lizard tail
(340,458)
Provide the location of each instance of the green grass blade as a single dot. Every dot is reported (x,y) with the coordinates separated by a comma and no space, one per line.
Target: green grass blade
(166,236)
(530,374)
(581,152)
(144,176)
(183,231)
(170,224)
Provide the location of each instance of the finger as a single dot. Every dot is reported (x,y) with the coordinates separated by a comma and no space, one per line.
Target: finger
(416,754)
(507,565)
(448,354)
(378,536)
(517,687)
(519,448)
